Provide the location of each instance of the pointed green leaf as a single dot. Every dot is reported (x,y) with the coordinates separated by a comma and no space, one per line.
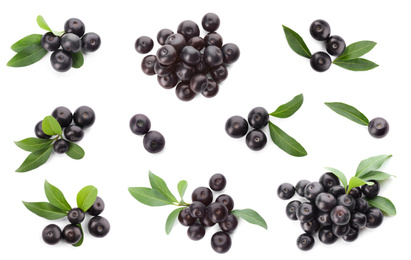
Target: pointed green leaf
(384,204)
(45,210)
(357,182)
(27,56)
(35,159)
(51,126)
(149,197)
(370,164)
(181,187)
(376,175)
(86,197)
(356,50)
(171,219)
(75,151)
(160,185)
(56,197)
(26,41)
(349,112)
(78,59)
(358,64)
(339,175)
(296,43)
(250,216)
(33,144)
(286,142)
(80,242)
(289,108)
(42,23)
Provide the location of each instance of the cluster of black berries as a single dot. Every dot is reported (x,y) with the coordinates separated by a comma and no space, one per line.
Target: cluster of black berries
(188,61)
(73,40)
(335,45)
(237,127)
(98,226)
(329,210)
(203,212)
(153,141)
(83,117)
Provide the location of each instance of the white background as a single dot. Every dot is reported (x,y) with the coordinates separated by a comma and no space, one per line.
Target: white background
(267,74)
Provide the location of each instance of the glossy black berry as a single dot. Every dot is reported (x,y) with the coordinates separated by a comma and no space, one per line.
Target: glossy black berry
(162,35)
(358,220)
(70,42)
(326,235)
(221,242)
(50,42)
(38,131)
(256,140)
(202,66)
(210,22)
(197,42)
(236,127)
(219,73)
(140,124)
(310,227)
(61,60)
(335,45)
(176,40)
(340,230)
(144,44)
(166,54)
(185,218)
(84,116)
(217,212)
(213,38)
(73,133)
(51,234)
(347,201)
(163,70)
(190,55)
(320,61)
(184,92)
(300,186)
(355,192)
(206,221)
(97,208)
(76,26)
(374,217)
(197,209)
(229,224)
(202,194)
(168,81)
(258,117)
(378,127)
(337,190)
(340,215)
(196,231)
(198,83)
(217,182)
(320,30)
(231,53)
(329,180)
(154,142)
(188,29)
(291,209)
(305,242)
(324,218)
(361,205)
(76,216)
(147,64)
(211,90)
(63,115)
(226,200)
(325,201)
(352,235)
(61,146)
(71,234)
(98,226)
(213,56)
(90,42)
(184,71)
(306,212)
(285,191)
(312,189)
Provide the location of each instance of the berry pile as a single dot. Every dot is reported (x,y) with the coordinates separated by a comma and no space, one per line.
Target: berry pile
(191,63)
(153,141)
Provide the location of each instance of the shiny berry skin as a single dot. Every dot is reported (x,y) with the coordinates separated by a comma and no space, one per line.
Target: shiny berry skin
(229,224)
(211,90)
(340,215)
(190,55)
(306,212)
(299,187)
(184,92)
(154,142)
(70,42)
(291,209)
(324,218)
(329,180)
(310,227)
(202,66)
(285,191)
(217,182)
(84,116)
(219,73)
(63,115)
(213,38)
(236,127)
(73,133)
(305,242)
(140,124)
(198,83)
(325,201)
(97,208)
(163,70)
(147,65)
(210,22)
(326,235)
(320,30)
(185,218)
(335,45)
(231,53)
(184,71)
(197,42)
(197,209)
(378,127)
(38,131)
(196,231)
(50,42)
(361,205)
(355,192)
(358,220)
(166,55)
(256,140)
(176,40)
(352,235)
(221,242)
(340,230)
(51,234)
(144,44)
(188,29)
(61,60)
(337,190)
(226,200)
(168,81)
(76,216)
(347,201)
(98,226)
(258,117)
(206,221)
(374,217)
(90,42)
(213,56)
(320,61)
(61,146)
(71,234)
(162,35)
(217,212)
(202,194)
(312,189)
(75,25)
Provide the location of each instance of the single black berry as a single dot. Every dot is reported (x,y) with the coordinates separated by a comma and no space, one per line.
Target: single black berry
(196,231)
(320,30)
(352,235)
(305,242)
(51,234)
(140,124)
(71,234)
(185,218)
(326,235)
(76,216)
(256,140)
(335,45)
(258,117)
(312,189)
(206,221)
(184,92)
(329,180)
(236,126)
(147,65)
(213,38)
(324,218)
(84,116)
(374,217)
(70,42)
(226,200)
(162,35)
(210,22)
(355,192)
(76,26)
(197,42)
(310,227)
(320,61)
(378,127)
(190,55)
(325,201)
(188,29)
(176,40)
(197,209)
(73,133)
(361,205)
(163,70)
(63,115)
(211,90)
(168,81)
(50,42)
(202,66)
(217,182)
(221,242)
(98,226)
(337,190)
(340,230)
(144,44)
(229,224)
(202,194)
(219,73)
(61,60)
(38,131)
(61,146)
(347,201)
(198,83)
(90,42)
(231,53)
(300,186)
(166,55)
(184,71)
(97,208)
(306,212)
(358,220)
(371,191)
(213,56)
(285,191)
(154,142)
(340,215)
(291,209)
(217,212)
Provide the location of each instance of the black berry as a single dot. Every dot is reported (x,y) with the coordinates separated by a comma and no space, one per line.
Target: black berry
(73,133)
(256,140)
(347,201)
(219,73)
(98,226)
(198,83)
(300,186)
(206,221)
(378,127)
(326,235)
(229,224)
(38,131)
(358,220)
(84,116)
(320,61)
(306,212)
(197,42)
(76,216)
(185,218)
(305,242)
(374,217)
(361,205)
(226,200)
(188,29)
(176,40)
(71,234)
(291,209)
(162,35)
(285,191)
(168,81)
(202,194)
(154,142)
(329,180)
(97,208)
(210,22)
(320,30)
(184,92)
(166,55)
(355,192)
(196,231)
(61,60)
(217,182)
(190,55)
(258,117)
(213,38)
(90,42)
(70,42)
(147,64)
(371,191)
(76,26)
(231,53)
(340,230)
(236,126)
(63,115)
(221,242)
(50,42)
(352,235)
(211,90)
(163,70)
(140,124)
(340,215)
(184,71)
(335,45)
(312,189)
(217,212)
(337,190)
(51,234)
(213,56)
(325,201)
(324,218)
(197,209)
(61,146)
(144,44)
(310,227)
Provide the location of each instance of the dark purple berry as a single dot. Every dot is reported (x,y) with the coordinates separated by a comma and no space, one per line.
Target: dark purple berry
(291,209)
(329,180)
(166,55)
(324,218)
(144,44)
(300,186)
(371,191)
(310,227)
(213,38)
(219,73)
(184,71)
(168,81)
(197,209)
(213,56)
(176,40)
(198,83)
(76,26)
(320,30)
(210,22)
(70,42)
(202,194)
(162,35)
(63,115)
(361,205)
(320,61)
(347,201)
(196,231)
(211,90)
(335,45)
(184,92)
(188,29)
(90,42)
(340,215)
(226,200)
(340,230)
(84,117)
(73,133)
(154,142)
(326,235)
(217,212)
(358,220)
(76,216)
(221,242)
(98,226)
(217,182)
(71,234)
(236,127)
(61,146)
(352,235)
(306,212)
(197,42)
(285,191)
(337,191)
(312,189)
(305,242)
(231,53)
(374,217)
(50,42)
(355,192)
(256,140)
(61,60)
(185,218)
(325,201)
(51,234)
(97,208)
(147,64)
(190,55)
(229,224)
(140,124)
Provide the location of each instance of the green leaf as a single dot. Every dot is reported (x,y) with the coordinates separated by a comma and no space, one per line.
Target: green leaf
(349,112)
(339,175)
(357,182)
(376,175)
(45,210)
(56,197)
(78,59)
(171,219)
(75,151)
(29,55)
(384,204)
(296,43)
(181,187)
(286,142)
(51,126)
(42,23)
(358,64)
(86,197)
(160,185)
(370,164)
(80,242)
(250,216)
(288,109)
(149,197)
(35,159)
(33,144)
(356,50)
(26,41)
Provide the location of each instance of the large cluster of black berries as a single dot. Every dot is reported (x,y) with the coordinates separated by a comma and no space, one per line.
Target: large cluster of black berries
(203,212)
(153,141)
(98,226)
(237,127)
(72,41)
(329,210)
(335,45)
(187,61)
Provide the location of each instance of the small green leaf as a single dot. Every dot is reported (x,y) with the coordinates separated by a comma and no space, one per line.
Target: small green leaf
(181,187)
(29,55)
(33,144)
(160,185)
(80,242)
(86,197)
(75,151)
(370,164)
(56,197)
(250,216)
(358,64)
(149,197)
(286,142)
(26,41)
(288,109)
(376,175)
(384,204)
(171,219)
(35,159)
(51,126)
(296,43)
(339,175)
(349,112)
(45,210)
(78,59)
(357,182)
(42,23)
(356,50)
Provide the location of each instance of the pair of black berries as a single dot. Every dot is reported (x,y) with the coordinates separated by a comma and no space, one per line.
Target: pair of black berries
(98,226)
(83,117)
(153,141)
(203,213)
(329,211)
(72,41)
(334,44)
(237,127)
(188,62)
